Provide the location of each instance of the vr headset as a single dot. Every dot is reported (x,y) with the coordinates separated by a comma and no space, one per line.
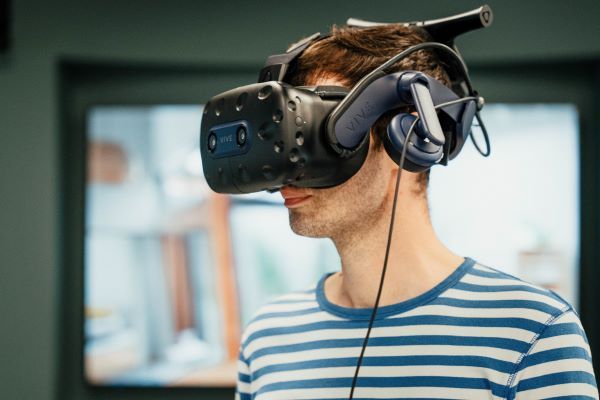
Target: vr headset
(270,134)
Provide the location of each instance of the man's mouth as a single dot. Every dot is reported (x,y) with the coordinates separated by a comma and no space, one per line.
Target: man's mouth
(294,197)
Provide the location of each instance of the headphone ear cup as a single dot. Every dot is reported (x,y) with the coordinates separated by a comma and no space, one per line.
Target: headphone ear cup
(420,154)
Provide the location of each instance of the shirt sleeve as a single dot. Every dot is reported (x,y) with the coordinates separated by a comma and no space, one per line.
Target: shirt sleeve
(243,391)
(558,364)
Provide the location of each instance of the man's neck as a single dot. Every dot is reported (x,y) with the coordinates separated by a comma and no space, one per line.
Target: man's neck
(417,262)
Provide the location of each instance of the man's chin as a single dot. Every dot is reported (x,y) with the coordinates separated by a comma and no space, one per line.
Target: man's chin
(306,226)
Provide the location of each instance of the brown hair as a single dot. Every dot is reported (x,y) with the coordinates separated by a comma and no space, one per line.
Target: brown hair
(351,53)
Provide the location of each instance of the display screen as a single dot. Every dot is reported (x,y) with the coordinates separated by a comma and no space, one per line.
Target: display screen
(173,271)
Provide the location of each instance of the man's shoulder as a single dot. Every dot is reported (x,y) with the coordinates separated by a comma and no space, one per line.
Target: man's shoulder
(280,311)
(498,289)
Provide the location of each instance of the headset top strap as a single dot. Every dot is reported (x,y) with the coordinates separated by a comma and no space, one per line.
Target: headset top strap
(277,65)
(443,30)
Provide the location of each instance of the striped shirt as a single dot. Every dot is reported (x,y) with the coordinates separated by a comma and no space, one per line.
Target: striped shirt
(480,333)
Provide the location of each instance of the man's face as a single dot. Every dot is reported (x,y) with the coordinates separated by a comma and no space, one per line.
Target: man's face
(352,206)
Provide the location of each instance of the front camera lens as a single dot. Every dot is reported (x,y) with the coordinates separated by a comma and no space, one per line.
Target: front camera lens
(242,135)
(212,142)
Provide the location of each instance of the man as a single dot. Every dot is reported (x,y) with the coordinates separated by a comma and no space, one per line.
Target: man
(447,327)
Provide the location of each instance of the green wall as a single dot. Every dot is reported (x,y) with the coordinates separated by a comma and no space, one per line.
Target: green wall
(190,33)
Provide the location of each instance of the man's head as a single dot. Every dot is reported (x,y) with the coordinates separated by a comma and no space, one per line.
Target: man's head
(343,59)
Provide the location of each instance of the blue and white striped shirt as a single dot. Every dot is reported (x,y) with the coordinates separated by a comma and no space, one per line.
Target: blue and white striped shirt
(480,333)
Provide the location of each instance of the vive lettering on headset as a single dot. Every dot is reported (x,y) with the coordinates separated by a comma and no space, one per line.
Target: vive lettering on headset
(225,139)
(359,117)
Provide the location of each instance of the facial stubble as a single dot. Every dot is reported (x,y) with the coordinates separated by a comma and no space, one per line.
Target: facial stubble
(347,211)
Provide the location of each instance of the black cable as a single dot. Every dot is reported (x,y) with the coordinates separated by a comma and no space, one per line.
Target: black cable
(485,137)
(382,70)
(425,45)
(395,201)
(387,252)
(480,125)
(391,228)
(457,101)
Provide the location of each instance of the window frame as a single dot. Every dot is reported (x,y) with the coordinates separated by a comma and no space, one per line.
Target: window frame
(84,84)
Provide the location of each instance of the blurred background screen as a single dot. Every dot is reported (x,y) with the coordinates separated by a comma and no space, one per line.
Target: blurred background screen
(173,271)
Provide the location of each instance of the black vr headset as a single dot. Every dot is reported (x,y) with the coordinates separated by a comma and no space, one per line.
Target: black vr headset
(270,134)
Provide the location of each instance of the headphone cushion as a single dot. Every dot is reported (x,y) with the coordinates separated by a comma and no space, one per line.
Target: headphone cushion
(420,154)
